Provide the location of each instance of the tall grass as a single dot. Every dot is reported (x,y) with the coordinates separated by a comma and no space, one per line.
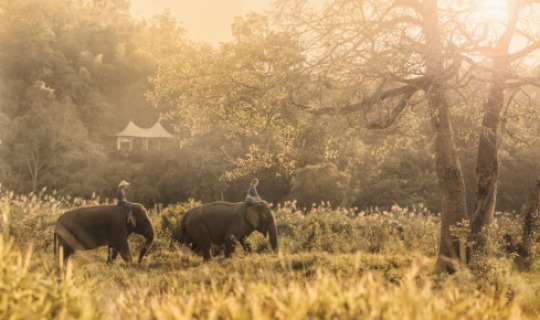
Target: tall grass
(325,296)
(333,264)
(5,222)
(30,292)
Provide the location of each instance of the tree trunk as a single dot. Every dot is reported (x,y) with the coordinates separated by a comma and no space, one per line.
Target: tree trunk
(448,168)
(34,174)
(487,165)
(524,248)
(450,182)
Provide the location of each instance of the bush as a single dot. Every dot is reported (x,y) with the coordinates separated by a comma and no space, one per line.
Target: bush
(172,216)
(349,230)
(321,182)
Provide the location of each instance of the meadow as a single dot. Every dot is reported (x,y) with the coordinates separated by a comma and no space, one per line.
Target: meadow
(342,263)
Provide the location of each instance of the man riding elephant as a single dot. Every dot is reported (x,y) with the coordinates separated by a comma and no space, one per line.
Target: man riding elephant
(226,223)
(252,197)
(122,200)
(91,227)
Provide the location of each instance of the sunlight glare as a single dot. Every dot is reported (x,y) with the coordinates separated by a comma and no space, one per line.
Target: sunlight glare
(493,9)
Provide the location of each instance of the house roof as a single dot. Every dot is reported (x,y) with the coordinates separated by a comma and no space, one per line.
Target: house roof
(156,131)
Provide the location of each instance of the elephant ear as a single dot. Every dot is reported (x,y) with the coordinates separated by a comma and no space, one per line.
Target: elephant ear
(253,216)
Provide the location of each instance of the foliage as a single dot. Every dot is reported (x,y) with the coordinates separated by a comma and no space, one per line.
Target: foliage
(516,184)
(321,182)
(252,107)
(82,78)
(172,216)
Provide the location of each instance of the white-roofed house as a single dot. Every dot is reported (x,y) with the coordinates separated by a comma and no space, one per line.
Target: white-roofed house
(134,137)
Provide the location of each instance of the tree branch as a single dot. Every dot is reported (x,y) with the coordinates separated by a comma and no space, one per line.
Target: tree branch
(388,121)
(407,91)
(525,51)
(518,82)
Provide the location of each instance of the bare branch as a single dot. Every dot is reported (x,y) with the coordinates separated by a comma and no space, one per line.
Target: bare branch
(525,51)
(517,82)
(407,91)
(387,122)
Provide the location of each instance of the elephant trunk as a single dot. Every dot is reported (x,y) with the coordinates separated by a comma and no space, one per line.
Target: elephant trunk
(149,236)
(273,234)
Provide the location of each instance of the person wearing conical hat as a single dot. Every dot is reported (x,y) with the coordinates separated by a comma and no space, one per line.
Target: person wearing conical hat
(122,200)
(121,194)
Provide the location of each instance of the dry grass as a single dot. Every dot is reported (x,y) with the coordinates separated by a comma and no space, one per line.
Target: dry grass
(333,264)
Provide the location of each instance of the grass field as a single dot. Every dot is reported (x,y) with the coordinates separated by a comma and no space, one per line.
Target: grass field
(332,264)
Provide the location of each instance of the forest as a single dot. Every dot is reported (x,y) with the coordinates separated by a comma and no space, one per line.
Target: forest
(280,102)
(400,137)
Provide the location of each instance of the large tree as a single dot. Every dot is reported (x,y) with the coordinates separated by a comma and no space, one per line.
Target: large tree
(386,56)
(505,50)
(379,58)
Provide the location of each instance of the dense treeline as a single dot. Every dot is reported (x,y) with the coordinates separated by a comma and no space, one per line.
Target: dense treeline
(73,74)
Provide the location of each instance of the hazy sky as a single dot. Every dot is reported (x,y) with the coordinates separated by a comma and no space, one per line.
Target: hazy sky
(207,20)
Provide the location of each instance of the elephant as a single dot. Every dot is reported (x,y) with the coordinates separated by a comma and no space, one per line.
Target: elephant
(220,223)
(90,227)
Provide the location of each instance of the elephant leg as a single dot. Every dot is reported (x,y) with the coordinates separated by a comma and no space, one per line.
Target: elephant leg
(216,250)
(203,246)
(205,249)
(123,249)
(244,244)
(126,256)
(229,246)
(195,248)
(201,243)
(112,253)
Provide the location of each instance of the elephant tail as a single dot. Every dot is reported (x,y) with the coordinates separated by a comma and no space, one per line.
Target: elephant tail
(54,244)
(184,237)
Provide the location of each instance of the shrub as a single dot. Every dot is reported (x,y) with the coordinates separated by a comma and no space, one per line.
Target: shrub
(321,182)
(172,216)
